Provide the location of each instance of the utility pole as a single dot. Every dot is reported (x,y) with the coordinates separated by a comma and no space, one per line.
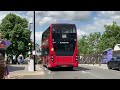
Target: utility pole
(34,40)
(32,59)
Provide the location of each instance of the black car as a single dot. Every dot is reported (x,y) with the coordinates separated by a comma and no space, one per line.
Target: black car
(114,63)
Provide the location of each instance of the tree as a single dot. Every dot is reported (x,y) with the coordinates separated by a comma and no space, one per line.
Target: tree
(14,28)
(83,45)
(111,36)
(93,40)
(89,44)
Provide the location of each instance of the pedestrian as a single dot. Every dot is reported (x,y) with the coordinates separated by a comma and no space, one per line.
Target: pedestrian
(14,59)
(2,67)
(21,59)
(7,73)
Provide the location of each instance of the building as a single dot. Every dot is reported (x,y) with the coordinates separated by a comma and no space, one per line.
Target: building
(37,48)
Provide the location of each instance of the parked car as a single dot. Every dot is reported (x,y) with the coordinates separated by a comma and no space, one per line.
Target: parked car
(114,63)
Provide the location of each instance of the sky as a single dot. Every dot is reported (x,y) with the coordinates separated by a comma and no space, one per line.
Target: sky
(86,21)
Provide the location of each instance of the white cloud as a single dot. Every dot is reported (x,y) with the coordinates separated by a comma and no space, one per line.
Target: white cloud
(102,18)
(105,13)
(80,33)
(44,17)
(24,14)
(64,14)
(47,20)
(38,36)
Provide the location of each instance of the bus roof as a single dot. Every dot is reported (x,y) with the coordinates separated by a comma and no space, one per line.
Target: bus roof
(62,24)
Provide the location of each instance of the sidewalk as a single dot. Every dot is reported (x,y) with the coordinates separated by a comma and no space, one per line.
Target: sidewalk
(104,66)
(18,71)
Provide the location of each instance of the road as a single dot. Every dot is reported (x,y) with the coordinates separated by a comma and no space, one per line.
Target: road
(82,72)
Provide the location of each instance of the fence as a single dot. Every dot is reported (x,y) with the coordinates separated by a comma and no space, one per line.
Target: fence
(90,59)
(94,58)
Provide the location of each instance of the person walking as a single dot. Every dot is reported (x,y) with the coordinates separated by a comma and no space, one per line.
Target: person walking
(20,59)
(3,68)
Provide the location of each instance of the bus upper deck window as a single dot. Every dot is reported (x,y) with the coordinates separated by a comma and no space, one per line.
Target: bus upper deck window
(74,30)
(53,30)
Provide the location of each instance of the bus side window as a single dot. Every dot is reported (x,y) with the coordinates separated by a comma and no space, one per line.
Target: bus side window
(43,52)
(46,51)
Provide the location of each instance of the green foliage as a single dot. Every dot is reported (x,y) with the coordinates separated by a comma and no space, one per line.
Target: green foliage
(96,43)
(88,44)
(13,28)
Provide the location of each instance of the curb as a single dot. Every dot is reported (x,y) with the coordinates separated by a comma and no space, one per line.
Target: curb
(21,73)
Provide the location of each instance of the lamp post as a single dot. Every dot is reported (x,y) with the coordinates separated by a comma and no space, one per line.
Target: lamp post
(30,38)
(34,38)
(29,44)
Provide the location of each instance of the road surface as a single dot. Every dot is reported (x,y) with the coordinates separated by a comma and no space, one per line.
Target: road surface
(82,72)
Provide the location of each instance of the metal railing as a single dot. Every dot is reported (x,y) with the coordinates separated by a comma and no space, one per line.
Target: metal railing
(94,58)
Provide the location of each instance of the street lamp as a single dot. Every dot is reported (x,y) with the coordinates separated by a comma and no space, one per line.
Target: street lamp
(34,38)
(29,44)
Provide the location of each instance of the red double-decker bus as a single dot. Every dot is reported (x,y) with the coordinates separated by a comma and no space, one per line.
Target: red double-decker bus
(59,46)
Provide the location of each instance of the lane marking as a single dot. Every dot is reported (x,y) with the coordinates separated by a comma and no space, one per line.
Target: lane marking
(85,72)
(92,74)
(96,75)
(49,72)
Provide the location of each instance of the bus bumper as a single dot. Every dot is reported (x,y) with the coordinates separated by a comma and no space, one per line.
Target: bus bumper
(52,64)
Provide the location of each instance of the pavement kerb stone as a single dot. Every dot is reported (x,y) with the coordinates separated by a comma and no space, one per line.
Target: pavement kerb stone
(21,73)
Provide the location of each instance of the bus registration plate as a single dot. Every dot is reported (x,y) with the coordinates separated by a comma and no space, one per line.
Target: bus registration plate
(64,66)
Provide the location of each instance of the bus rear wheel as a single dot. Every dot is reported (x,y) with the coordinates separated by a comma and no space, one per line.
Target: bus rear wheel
(50,69)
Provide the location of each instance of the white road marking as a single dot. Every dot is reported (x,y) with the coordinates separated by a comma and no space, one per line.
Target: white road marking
(85,72)
(92,74)
(96,75)
(49,72)
(45,68)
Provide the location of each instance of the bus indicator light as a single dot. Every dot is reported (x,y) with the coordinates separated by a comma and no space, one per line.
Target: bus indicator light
(52,49)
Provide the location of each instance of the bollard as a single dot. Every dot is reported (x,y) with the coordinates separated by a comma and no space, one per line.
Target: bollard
(31,64)
(99,61)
